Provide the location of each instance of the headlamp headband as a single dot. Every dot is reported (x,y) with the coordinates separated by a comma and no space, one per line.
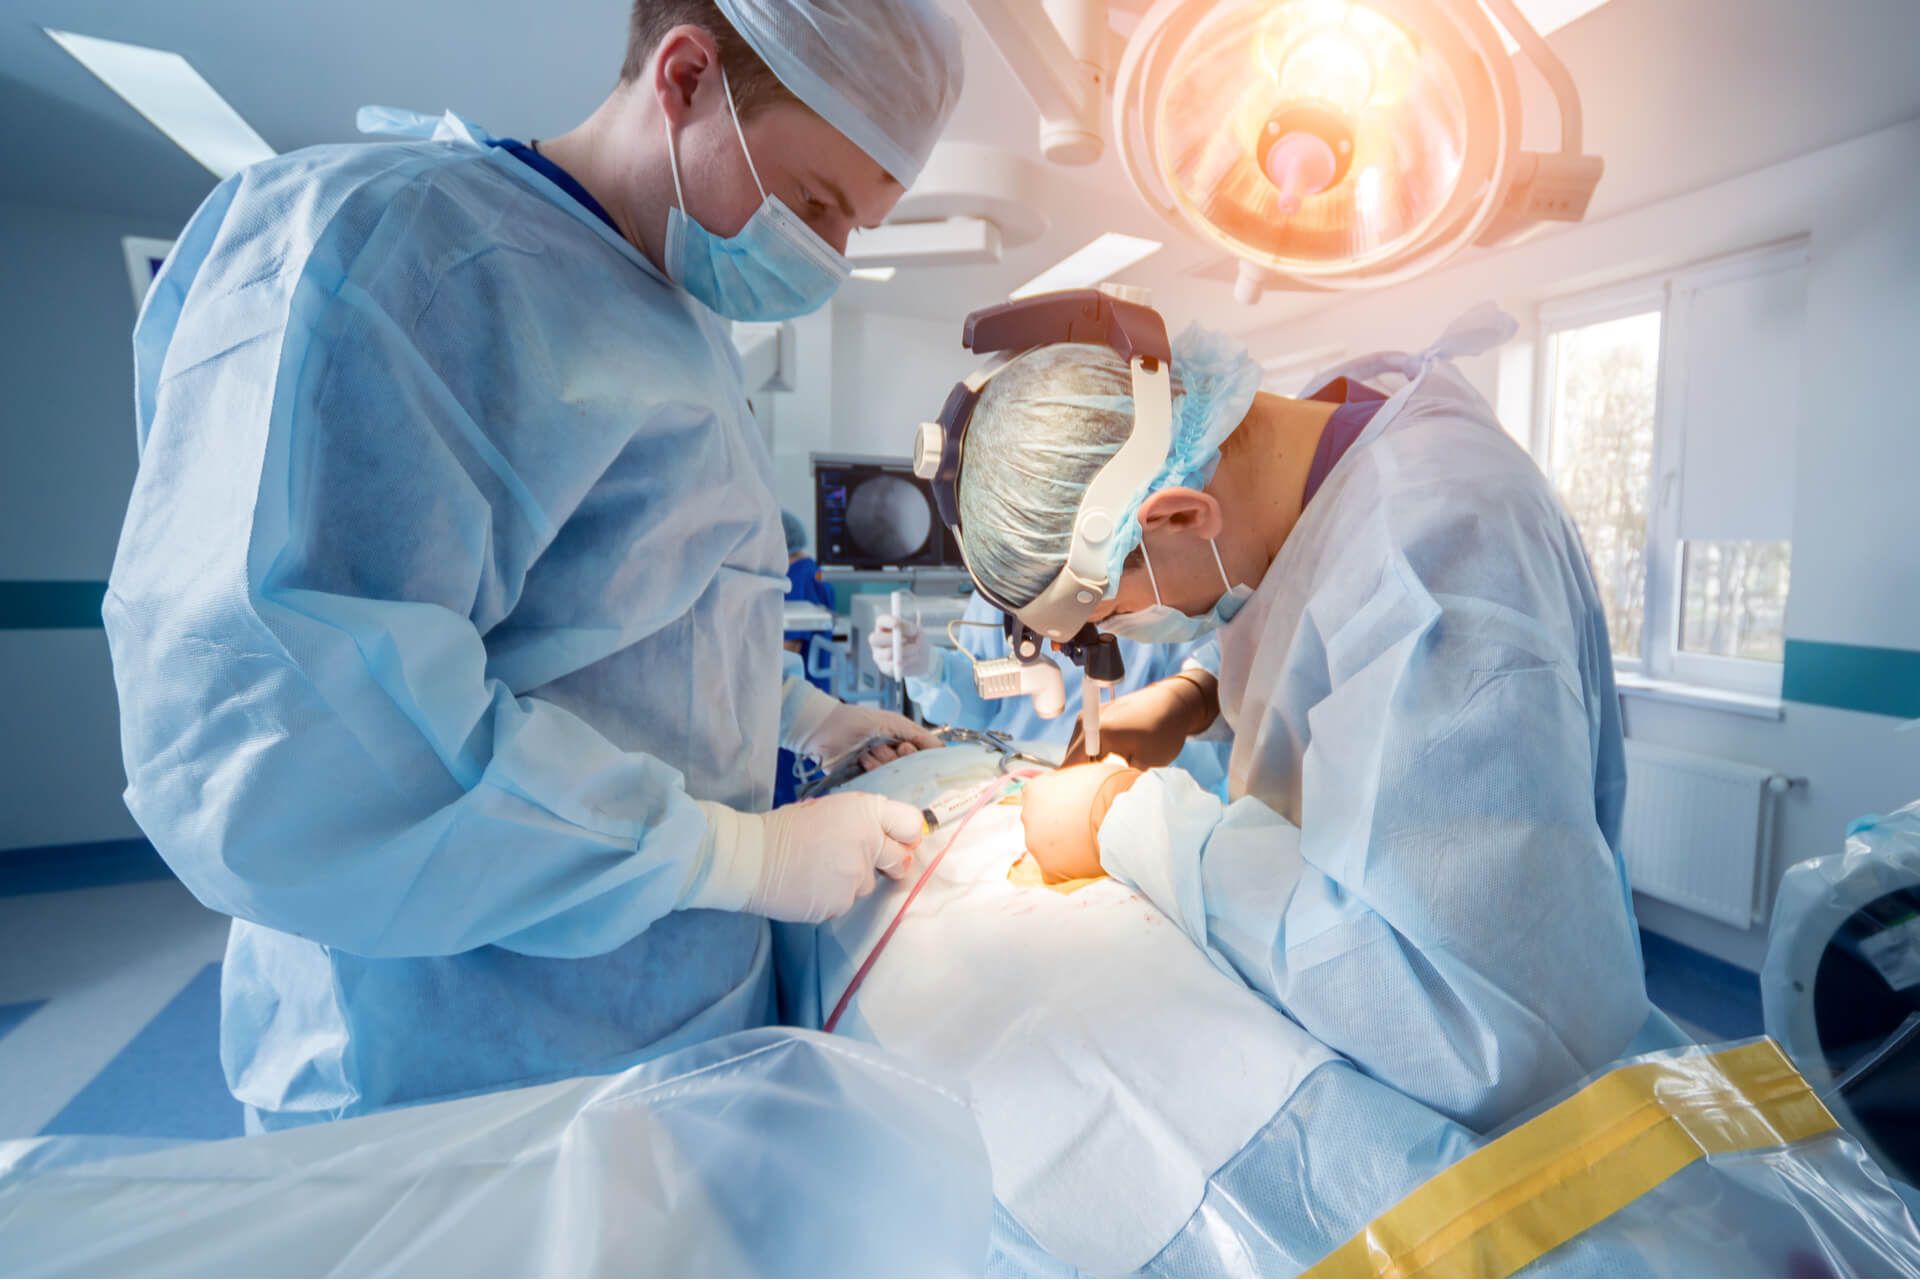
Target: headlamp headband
(1136,334)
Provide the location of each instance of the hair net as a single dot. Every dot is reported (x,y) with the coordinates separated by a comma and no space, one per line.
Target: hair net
(886,73)
(795,531)
(1046,424)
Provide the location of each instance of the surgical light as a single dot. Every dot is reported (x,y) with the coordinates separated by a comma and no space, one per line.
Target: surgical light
(1333,144)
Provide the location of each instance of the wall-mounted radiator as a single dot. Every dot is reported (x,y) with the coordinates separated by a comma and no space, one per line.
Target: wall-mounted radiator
(1698,831)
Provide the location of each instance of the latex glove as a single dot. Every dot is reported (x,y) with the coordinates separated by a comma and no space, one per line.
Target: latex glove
(915,660)
(805,862)
(1150,726)
(828,729)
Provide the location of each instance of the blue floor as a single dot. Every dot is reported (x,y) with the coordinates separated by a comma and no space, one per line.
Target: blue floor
(167,1083)
(1700,992)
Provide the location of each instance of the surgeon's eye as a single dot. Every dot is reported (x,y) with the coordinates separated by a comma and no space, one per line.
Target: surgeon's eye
(812,207)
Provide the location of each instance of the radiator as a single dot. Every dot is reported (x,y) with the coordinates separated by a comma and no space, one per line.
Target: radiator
(1698,831)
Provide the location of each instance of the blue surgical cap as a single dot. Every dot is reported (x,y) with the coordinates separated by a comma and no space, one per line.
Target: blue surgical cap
(795,531)
(1049,421)
(886,73)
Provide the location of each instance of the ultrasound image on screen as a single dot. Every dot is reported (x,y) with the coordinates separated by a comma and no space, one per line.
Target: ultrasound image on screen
(888,518)
(875,513)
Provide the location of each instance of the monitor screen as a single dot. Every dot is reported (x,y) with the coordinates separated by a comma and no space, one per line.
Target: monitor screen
(874,513)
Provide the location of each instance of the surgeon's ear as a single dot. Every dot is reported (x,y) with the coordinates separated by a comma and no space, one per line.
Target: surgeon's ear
(685,57)
(1182,511)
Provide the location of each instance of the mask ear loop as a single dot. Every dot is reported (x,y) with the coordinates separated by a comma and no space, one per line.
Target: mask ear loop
(740,133)
(673,151)
(1218,563)
(673,162)
(1151,579)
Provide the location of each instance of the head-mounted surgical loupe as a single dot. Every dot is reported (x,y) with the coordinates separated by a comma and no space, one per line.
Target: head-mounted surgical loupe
(1060,613)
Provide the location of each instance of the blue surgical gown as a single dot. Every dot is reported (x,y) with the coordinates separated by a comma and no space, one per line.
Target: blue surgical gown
(450,580)
(1420,863)
(949,695)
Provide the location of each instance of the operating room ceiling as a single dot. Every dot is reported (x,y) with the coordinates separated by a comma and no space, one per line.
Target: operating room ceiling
(1679,94)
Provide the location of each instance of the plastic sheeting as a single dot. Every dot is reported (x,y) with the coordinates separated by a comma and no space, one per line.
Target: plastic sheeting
(1696,1162)
(1841,983)
(766,1152)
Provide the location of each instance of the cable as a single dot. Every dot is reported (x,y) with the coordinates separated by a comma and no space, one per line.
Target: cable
(988,797)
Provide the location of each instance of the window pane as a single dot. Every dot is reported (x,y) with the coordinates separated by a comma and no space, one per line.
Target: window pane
(1734,599)
(1601,457)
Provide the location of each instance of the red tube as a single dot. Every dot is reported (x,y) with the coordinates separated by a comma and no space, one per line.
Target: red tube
(988,797)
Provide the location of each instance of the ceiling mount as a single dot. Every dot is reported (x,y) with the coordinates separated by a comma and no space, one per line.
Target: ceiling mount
(970,204)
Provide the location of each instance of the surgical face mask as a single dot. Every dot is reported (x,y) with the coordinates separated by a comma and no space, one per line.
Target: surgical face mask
(1164,624)
(775,268)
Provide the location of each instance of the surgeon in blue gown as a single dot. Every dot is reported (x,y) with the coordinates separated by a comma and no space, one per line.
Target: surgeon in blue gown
(446,616)
(1420,860)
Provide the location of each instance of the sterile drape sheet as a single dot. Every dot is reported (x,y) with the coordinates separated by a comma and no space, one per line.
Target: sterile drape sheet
(766,1152)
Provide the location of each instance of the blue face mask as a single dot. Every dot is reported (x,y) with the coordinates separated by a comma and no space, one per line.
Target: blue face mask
(1164,624)
(775,268)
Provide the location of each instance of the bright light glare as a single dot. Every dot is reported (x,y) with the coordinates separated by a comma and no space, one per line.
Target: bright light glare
(164,87)
(1101,260)
(878,274)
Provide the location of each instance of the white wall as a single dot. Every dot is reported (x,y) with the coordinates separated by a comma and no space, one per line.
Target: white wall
(865,381)
(66,466)
(1856,554)
(890,374)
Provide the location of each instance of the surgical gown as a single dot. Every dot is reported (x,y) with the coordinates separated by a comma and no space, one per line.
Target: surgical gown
(1420,863)
(451,579)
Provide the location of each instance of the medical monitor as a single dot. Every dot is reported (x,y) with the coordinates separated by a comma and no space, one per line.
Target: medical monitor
(874,513)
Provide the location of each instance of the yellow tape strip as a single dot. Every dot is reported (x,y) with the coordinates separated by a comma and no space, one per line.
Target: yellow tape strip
(1555,1176)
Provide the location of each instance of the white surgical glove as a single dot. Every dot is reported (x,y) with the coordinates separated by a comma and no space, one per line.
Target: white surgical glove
(915,659)
(826,729)
(804,862)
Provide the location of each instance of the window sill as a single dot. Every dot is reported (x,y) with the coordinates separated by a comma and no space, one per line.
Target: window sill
(1753,705)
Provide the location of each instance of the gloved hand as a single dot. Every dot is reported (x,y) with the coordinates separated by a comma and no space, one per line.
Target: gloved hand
(916,658)
(836,727)
(1149,726)
(805,862)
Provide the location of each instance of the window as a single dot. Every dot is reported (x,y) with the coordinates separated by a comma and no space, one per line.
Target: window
(1667,422)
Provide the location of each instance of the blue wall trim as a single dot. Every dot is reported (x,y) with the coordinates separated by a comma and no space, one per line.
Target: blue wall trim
(40,606)
(1853,677)
(56,868)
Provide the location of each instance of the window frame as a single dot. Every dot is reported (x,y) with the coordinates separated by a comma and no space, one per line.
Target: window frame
(1661,657)
(1742,675)
(1579,311)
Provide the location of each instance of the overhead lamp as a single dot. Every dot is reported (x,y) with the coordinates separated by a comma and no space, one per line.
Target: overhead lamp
(1338,144)
(879,275)
(1325,144)
(1095,263)
(164,87)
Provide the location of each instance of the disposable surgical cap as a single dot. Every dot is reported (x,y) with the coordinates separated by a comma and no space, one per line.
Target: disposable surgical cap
(1049,421)
(886,73)
(795,531)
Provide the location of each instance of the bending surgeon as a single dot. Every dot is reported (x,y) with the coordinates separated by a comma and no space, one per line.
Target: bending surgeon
(446,613)
(1420,862)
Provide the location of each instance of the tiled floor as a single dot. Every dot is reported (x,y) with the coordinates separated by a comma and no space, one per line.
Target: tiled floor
(109,1007)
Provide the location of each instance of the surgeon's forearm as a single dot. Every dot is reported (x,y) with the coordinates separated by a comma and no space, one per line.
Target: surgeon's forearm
(1197,695)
